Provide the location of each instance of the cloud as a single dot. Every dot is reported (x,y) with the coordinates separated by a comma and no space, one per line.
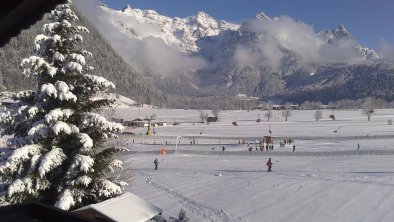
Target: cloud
(386,51)
(280,37)
(137,44)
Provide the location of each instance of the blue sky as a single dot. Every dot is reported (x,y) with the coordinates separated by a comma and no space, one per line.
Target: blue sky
(371,21)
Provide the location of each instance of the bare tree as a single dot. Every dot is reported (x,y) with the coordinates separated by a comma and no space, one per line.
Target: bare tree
(153,116)
(287,111)
(269,114)
(203,116)
(215,112)
(368,107)
(318,115)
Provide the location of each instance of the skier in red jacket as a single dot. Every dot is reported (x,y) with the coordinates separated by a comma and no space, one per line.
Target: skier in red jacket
(269,164)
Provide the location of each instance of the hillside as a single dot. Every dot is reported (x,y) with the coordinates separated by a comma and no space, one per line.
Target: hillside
(105,61)
(266,57)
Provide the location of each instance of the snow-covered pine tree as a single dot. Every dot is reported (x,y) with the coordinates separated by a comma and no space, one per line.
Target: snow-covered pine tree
(57,152)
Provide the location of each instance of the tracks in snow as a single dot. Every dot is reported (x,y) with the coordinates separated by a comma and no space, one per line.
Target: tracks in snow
(205,211)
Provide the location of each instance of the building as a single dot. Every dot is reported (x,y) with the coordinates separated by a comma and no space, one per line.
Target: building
(125,208)
(143,123)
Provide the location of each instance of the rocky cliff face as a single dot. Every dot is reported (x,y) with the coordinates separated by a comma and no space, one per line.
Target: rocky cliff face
(265,57)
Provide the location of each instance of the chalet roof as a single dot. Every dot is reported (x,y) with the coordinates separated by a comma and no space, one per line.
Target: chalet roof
(125,208)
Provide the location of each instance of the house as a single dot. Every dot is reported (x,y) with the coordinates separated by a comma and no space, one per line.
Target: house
(212,119)
(117,120)
(125,208)
(268,139)
(143,123)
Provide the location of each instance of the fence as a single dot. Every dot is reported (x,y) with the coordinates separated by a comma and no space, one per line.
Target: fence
(271,153)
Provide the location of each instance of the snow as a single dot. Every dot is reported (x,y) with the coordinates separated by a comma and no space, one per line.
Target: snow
(58,57)
(32,111)
(94,119)
(84,180)
(51,71)
(101,81)
(34,63)
(87,142)
(74,67)
(48,28)
(61,126)
(107,188)
(84,162)
(16,187)
(22,109)
(325,179)
(52,159)
(49,89)
(66,24)
(18,156)
(77,38)
(58,114)
(78,58)
(64,91)
(39,38)
(115,163)
(38,128)
(180,32)
(82,29)
(127,207)
(66,200)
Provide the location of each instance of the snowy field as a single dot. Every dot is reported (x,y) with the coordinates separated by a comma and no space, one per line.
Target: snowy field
(325,179)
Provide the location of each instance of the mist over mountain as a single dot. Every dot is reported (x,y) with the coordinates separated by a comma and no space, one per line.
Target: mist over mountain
(266,57)
(106,61)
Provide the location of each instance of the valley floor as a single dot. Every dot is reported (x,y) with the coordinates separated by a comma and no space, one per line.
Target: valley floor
(325,179)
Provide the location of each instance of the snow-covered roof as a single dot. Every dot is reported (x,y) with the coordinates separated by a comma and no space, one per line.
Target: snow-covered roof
(127,207)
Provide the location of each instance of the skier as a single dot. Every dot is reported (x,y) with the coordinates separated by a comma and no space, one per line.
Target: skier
(156,162)
(358,146)
(293,148)
(269,164)
(223,148)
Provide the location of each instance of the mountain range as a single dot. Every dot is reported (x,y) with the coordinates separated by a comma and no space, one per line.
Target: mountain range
(272,58)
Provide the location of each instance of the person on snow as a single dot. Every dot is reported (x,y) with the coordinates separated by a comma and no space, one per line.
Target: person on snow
(156,162)
(269,164)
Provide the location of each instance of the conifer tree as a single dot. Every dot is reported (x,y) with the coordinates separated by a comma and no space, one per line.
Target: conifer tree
(57,152)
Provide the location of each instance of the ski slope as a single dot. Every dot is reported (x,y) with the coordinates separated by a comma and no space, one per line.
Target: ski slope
(326,179)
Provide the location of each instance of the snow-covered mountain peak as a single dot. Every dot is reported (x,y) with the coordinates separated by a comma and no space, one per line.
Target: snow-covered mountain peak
(180,32)
(261,15)
(339,33)
(204,17)
(126,8)
(342,33)
(341,27)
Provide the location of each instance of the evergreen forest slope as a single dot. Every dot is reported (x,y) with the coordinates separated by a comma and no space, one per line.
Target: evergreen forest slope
(105,61)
